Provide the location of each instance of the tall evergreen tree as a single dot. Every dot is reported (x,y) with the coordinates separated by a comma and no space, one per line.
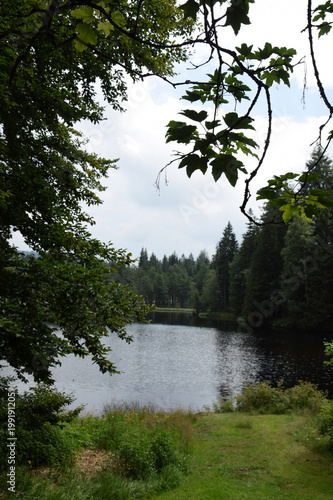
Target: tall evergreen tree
(143,259)
(161,290)
(225,252)
(201,268)
(209,297)
(320,286)
(297,273)
(263,277)
(239,267)
(322,165)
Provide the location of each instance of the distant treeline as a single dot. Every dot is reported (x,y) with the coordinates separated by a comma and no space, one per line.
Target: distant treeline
(280,273)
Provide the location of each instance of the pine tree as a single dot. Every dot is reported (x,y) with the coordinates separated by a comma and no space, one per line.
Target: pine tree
(263,277)
(298,268)
(239,267)
(225,252)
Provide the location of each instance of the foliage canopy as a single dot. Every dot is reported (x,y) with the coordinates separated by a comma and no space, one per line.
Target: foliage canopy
(53,53)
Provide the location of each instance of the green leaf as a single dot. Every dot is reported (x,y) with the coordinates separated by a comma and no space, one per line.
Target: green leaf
(194,162)
(86,34)
(309,177)
(245,50)
(210,125)
(236,122)
(86,14)
(180,132)
(266,193)
(80,46)
(324,29)
(190,9)
(118,19)
(228,165)
(237,14)
(231,118)
(194,115)
(267,51)
(105,26)
(288,212)
(192,96)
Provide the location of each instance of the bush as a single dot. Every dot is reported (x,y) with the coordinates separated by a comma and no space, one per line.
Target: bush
(305,395)
(224,404)
(147,453)
(326,422)
(329,353)
(44,446)
(136,458)
(163,449)
(37,416)
(262,398)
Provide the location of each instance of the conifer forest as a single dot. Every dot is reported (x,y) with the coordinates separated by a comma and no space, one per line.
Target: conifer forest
(278,274)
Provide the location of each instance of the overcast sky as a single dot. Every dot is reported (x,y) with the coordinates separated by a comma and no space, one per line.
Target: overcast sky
(189,215)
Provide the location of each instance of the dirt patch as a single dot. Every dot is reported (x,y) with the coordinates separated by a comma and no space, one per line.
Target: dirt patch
(91,461)
(87,462)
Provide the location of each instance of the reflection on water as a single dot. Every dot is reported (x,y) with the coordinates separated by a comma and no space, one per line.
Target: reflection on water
(176,365)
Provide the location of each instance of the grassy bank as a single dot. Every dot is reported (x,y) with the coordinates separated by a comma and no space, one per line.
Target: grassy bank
(245,452)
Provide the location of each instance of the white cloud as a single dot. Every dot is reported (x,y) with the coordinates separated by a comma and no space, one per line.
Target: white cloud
(188,215)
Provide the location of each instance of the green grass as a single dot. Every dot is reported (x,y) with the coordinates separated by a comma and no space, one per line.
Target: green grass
(130,452)
(240,451)
(242,456)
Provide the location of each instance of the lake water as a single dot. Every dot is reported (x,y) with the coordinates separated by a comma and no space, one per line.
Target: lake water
(181,361)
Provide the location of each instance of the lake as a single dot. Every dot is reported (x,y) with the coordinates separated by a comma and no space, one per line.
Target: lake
(178,360)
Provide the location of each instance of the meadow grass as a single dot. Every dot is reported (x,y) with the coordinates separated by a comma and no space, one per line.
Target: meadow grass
(243,456)
(249,452)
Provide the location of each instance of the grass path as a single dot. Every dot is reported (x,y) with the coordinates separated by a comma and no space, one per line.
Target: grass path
(239,456)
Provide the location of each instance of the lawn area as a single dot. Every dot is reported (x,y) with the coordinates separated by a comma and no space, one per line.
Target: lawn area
(242,456)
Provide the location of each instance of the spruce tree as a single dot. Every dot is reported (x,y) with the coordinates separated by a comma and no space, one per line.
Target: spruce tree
(225,252)
(239,267)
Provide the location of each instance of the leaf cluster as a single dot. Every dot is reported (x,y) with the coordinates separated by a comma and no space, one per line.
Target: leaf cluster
(52,56)
(242,77)
(220,138)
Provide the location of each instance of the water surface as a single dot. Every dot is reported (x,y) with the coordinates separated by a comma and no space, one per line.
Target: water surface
(175,365)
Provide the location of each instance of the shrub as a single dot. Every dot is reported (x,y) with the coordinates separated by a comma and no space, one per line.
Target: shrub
(38,414)
(305,395)
(163,449)
(329,353)
(262,398)
(44,404)
(147,453)
(224,404)
(326,422)
(44,446)
(136,457)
